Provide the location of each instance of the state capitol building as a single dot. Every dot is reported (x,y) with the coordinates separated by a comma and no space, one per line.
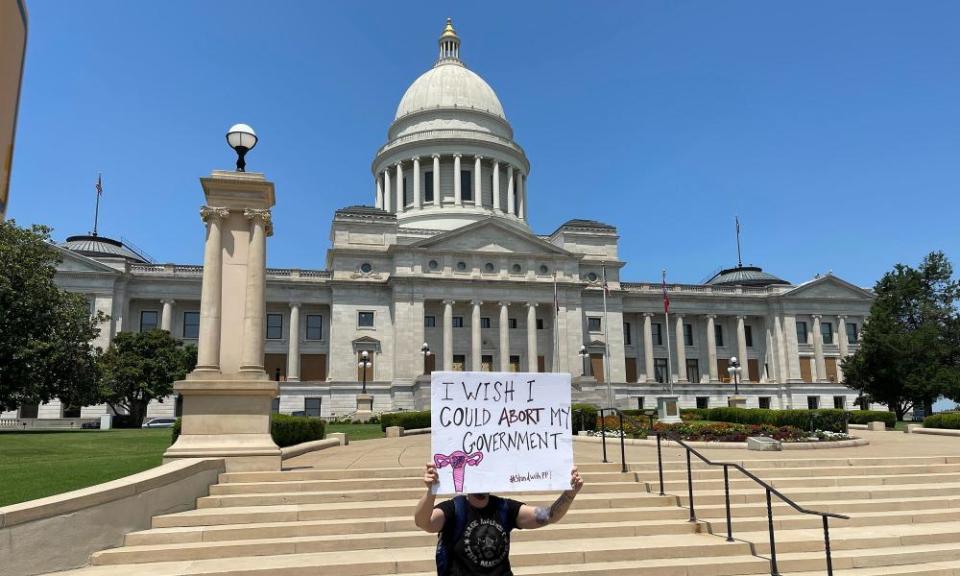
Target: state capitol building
(445,257)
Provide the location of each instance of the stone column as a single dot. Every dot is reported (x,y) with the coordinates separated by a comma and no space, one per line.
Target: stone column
(522,196)
(255,309)
(496,186)
(166,316)
(504,337)
(681,350)
(648,346)
(821,364)
(387,192)
(436,180)
(531,336)
(448,335)
(712,347)
(477,181)
(792,348)
(400,203)
(842,343)
(475,336)
(511,195)
(416,182)
(208,343)
(293,344)
(457,193)
(378,201)
(742,349)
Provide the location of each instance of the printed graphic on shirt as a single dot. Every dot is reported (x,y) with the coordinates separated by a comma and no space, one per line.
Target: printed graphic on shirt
(486,543)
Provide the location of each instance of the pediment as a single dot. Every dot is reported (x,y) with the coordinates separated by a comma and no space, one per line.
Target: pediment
(829,287)
(73,262)
(490,236)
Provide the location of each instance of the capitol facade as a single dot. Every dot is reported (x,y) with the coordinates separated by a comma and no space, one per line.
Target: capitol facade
(445,257)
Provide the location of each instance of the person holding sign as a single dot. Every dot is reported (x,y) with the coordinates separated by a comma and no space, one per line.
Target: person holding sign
(475,528)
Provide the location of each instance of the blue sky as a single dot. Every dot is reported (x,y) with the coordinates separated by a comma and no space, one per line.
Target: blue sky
(831,128)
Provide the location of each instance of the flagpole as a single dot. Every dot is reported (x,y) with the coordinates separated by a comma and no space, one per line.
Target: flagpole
(666,313)
(556,325)
(606,339)
(96,213)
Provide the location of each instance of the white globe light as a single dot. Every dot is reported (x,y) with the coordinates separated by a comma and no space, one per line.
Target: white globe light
(241,135)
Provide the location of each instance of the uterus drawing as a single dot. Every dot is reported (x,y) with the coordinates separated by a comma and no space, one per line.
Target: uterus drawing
(458,462)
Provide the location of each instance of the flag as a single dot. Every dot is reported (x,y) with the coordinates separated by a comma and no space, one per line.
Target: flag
(666,298)
(99,185)
(738,223)
(606,287)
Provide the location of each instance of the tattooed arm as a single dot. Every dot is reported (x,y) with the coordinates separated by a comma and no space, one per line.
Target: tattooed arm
(531,517)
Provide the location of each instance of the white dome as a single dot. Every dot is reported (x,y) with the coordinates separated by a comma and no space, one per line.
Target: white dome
(449,85)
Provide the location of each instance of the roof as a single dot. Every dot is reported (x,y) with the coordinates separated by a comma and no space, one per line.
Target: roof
(450,84)
(582,224)
(102,247)
(365,212)
(744,276)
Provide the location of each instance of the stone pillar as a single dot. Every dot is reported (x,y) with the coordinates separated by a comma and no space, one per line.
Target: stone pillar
(522,195)
(448,335)
(511,195)
(531,336)
(416,182)
(821,364)
(475,336)
(504,337)
(387,192)
(457,193)
(293,344)
(681,351)
(477,181)
(400,203)
(436,179)
(255,310)
(648,346)
(166,316)
(742,349)
(712,348)
(208,343)
(378,201)
(496,186)
(842,343)
(792,363)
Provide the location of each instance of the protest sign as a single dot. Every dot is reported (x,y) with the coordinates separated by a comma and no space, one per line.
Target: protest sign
(501,431)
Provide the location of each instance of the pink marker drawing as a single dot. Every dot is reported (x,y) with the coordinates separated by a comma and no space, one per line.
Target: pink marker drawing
(459,462)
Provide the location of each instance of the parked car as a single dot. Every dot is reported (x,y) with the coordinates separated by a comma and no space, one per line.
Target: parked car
(159,423)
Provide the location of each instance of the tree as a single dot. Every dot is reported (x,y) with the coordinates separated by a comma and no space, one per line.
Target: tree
(909,351)
(141,366)
(46,333)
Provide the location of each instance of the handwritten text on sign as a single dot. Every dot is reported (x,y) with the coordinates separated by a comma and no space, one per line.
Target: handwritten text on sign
(501,431)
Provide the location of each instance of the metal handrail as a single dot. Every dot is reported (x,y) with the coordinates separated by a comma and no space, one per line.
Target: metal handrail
(770,491)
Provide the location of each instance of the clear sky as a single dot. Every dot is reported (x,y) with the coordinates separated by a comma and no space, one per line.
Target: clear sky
(831,128)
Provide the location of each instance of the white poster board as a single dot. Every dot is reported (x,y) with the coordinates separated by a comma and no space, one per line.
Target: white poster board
(501,431)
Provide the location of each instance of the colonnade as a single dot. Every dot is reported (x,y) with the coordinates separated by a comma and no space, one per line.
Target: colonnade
(476,339)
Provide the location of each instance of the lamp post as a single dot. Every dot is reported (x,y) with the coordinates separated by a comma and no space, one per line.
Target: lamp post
(584,354)
(425,350)
(735,370)
(364,363)
(241,138)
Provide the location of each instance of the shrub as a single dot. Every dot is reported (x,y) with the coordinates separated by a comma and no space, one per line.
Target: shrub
(285,430)
(687,414)
(829,420)
(729,432)
(946,420)
(406,420)
(175,431)
(867,416)
(583,417)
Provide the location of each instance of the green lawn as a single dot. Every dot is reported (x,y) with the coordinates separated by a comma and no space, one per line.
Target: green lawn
(357,431)
(38,464)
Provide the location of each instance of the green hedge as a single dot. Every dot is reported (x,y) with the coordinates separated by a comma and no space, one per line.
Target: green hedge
(285,430)
(946,420)
(828,420)
(867,416)
(583,417)
(406,420)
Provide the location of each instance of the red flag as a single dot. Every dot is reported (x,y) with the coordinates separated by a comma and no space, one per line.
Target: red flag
(666,298)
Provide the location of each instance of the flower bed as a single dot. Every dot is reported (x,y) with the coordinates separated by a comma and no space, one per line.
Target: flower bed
(718,431)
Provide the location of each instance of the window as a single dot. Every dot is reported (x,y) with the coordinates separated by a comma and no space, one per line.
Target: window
(592,277)
(484,322)
(718,334)
(489,267)
(512,323)
(466,185)
(486,362)
(406,193)
(459,361)
(748,335)
(92,306)
(660,369)
(852,335)
(148,320)
(274,326)
(191,325)
(514,363)
(693,370)
(626,334)
(433,265)
(764,402)
(703,402)
(813,402)
(801,332)
(366,268)
(275,405)
(688,334)
(657,335)
(544,269)
(826,332)
(840,402)
(314,327)
(539,323)
(639,402)
(365,319)
(516,269)
(429,321)
(458,321)
(311,406)
(594,325)
(428,186)
(461,266)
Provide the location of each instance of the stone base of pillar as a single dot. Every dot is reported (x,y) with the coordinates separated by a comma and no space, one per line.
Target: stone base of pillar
(668,409)
(227,419)
(736,402)
(364,407)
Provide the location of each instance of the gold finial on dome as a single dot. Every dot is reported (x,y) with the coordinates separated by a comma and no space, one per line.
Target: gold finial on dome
(449,43)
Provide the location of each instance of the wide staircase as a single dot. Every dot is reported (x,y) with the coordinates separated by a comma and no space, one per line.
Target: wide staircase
(904,520)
